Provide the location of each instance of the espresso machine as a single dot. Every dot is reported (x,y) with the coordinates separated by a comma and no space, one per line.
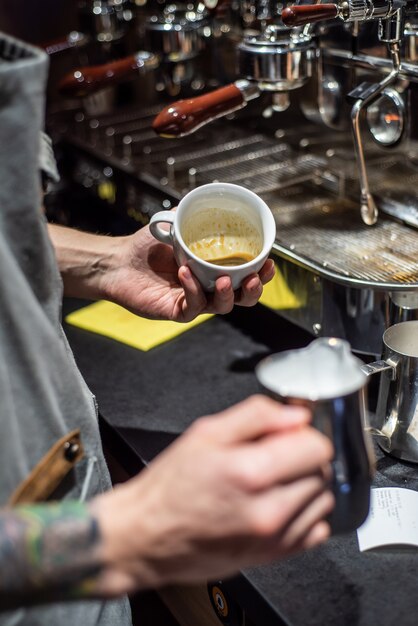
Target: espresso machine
(313,109)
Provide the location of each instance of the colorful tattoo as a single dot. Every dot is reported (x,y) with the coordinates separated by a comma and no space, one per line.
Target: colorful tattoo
(47,552)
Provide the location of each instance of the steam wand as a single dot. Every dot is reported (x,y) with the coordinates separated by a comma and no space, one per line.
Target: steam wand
(391,17)
(365,94)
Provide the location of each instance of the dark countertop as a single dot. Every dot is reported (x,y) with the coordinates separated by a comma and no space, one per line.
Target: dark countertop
(148,398)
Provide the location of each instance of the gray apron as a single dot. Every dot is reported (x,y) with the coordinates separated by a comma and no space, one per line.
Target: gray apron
(43,396)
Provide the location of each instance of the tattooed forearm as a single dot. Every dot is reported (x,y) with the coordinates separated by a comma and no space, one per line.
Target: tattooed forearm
(47,552)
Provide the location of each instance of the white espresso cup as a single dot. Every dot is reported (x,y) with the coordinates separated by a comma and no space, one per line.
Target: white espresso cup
(219,229)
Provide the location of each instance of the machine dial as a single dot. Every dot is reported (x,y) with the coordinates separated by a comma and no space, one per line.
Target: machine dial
(386,118)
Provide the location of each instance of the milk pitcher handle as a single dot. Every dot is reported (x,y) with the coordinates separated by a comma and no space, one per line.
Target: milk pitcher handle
(376,368)
(380,366)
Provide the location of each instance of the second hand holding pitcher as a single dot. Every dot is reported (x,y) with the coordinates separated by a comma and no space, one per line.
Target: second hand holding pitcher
(329,380)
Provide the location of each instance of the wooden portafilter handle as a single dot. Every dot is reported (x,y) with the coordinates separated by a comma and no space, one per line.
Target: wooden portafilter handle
(306,14)
(185,116)
(69,41)
(86,80)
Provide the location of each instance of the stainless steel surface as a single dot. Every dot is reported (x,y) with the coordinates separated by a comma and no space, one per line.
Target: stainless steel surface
(362,10)
(397,407)
(411,41)
(249,90)
(106,19)
(326,308)
(146,60)
(386,118)
(368,207)
(390,32)
(318,225)
(346,279)
(277,61)
(403,307)
(326,236)
(177,35)
(392,27)
(347,58)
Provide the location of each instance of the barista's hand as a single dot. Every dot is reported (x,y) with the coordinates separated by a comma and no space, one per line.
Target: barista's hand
(141,274)
(243,487)
(147,280)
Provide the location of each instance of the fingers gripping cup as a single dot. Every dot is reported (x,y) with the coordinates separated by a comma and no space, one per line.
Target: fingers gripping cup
(326,378)
(219,229)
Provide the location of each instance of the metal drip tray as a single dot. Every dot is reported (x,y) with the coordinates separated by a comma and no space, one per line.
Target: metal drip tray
(327,235)
(311,189)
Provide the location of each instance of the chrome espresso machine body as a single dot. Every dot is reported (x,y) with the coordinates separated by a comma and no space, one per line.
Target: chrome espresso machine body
(320,119)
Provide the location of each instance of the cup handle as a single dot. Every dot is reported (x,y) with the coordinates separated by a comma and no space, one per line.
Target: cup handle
(165,236)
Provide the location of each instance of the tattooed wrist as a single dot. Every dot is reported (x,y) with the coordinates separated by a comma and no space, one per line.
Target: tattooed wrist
(48,552)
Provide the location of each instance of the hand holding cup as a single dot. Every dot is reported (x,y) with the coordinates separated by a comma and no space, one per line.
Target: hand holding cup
(219,229)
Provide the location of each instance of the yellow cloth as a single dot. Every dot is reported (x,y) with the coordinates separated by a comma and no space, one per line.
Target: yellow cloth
(277,294)
(111,320)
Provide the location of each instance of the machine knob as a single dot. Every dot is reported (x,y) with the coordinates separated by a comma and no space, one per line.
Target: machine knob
(86,80)
(185,116)
(308,13)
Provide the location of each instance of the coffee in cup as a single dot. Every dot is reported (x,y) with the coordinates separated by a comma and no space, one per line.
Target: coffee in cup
(222,236)
(218,229)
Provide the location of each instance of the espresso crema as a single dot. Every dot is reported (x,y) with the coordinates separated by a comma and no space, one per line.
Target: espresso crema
(221,236)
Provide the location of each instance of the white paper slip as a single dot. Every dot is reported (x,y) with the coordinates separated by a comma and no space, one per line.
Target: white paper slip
(393,519)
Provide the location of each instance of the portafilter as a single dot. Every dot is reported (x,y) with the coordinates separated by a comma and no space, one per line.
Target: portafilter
(277,60)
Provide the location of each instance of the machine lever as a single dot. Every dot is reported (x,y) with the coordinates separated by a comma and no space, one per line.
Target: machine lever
(87,80)
(306,14)
(185,116)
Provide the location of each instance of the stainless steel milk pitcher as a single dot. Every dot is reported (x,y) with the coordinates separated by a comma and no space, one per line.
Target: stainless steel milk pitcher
(396,418)
(328,379)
